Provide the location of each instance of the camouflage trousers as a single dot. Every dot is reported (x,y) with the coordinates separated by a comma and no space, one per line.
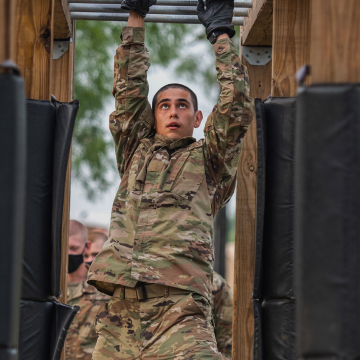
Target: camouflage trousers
(178,327)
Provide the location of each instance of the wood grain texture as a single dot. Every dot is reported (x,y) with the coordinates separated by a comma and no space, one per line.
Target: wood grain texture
(7,27)
(258,26)
(61,27)
(33,45)
(62,76)
(260,79)
(291,44)
(335,41)
(243,324)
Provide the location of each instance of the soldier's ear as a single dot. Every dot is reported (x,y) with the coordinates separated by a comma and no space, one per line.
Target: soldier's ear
(198,118)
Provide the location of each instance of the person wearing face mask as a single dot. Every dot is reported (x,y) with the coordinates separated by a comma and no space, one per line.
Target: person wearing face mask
(97,237)
(82,337)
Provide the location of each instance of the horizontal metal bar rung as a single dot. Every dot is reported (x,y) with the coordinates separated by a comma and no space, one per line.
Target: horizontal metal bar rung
(176,19)
(238,3)
(156,9)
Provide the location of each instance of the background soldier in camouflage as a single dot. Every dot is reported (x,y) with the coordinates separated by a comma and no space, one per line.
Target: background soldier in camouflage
(222,309)
(157,263)
(81,337)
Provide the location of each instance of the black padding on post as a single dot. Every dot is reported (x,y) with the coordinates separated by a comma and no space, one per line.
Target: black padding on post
(279,329)
(38,248)
(278,246)
(258,336)
(43,329)
(328,222)
(12,207)
(65,121)
(62,318)
(274,268)
(35,330)
(8,354)
(260,195)
(50,127)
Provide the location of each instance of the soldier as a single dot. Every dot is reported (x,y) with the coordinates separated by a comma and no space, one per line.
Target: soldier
(97,237)
(157,262)
(81,338)
(222,309)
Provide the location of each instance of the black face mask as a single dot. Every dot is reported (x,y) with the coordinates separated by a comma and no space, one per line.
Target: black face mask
(88,264)
(74,262)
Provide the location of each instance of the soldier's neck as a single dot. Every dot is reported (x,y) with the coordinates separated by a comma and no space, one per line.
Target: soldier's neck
(79,275)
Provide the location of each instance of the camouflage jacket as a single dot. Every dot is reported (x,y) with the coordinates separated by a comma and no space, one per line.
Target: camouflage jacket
(162,218)
(81,337)
(222,309)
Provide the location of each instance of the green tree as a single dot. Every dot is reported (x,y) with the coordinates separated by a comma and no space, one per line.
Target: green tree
(175,45)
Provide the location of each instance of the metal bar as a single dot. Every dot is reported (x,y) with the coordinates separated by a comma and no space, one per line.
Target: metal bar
(176,19)
(238,3)
(175,10)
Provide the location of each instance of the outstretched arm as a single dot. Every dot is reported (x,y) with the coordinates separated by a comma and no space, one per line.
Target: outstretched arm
(132,120)
(227,124)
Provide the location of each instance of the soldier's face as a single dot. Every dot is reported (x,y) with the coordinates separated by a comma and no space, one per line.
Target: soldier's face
(77,245)
(95,248)
(175,116)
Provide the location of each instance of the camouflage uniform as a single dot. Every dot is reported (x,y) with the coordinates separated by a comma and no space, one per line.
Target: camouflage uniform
(162,218)
(82,337)
(222,310)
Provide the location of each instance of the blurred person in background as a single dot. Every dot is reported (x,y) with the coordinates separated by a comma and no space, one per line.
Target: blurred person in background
(82,337)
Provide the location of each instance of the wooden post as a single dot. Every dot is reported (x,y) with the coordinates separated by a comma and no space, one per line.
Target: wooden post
(7,26)
(62,84)
(335,41)
(34,43)
(257,32)
(291,44)
(243,319)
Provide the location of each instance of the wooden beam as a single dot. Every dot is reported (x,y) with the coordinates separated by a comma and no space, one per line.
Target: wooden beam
(62,76)
(7,26)
(34,42)
(335,41)
(291,44)
(243,323)
(258,26)
(61,25)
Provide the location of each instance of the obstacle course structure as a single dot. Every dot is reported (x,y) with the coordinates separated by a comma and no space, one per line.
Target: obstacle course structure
(319,248)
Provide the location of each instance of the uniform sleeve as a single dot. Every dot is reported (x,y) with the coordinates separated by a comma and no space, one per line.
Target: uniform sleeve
(223,315)
(227,124)
(132,120)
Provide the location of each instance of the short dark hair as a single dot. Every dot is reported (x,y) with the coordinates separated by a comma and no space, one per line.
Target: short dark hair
(176,86)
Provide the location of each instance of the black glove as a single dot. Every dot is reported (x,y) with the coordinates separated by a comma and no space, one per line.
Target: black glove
(217,15)
(141,7)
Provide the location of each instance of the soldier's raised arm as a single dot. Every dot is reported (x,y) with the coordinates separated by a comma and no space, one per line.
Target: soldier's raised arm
(132,119)
(227,124)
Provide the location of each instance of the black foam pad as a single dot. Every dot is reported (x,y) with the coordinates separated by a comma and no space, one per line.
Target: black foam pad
(37,261)
(35,330)
(65,120)
(62,317)
(279,329)
(278,243)
(260,196)
(12,207)
(50,127)
(258,331)
(274,268)
(327,222)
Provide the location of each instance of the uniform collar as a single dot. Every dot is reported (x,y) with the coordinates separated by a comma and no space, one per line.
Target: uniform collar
(164,141)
